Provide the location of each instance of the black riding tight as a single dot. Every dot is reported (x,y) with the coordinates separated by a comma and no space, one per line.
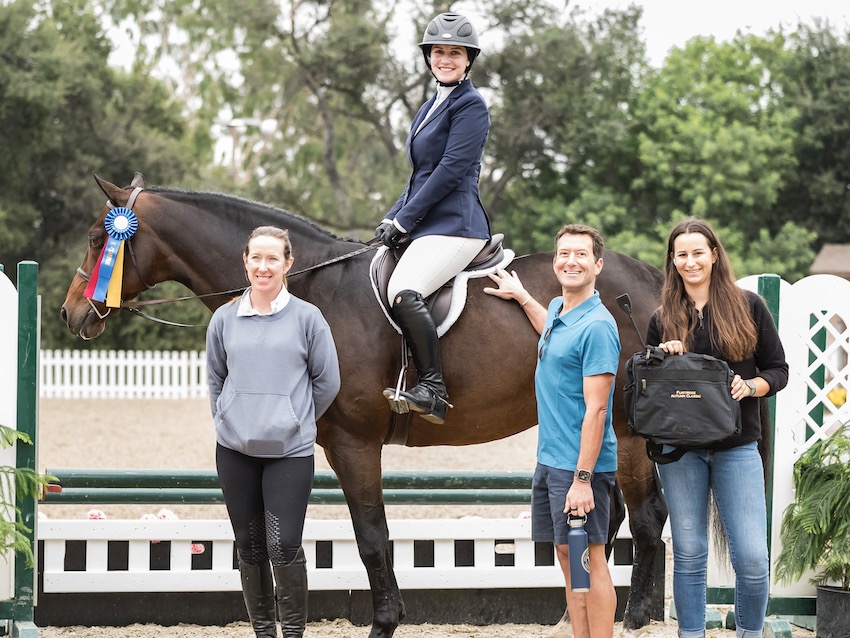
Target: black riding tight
(266,500)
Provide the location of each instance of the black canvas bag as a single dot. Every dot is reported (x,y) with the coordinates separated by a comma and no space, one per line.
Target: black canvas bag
(679,400)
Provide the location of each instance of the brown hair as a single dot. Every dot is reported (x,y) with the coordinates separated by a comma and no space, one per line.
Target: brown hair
(581,229)
(277,233)
(271,231)
(733,331)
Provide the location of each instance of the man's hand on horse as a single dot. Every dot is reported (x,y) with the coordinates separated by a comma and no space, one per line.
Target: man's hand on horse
(509,286)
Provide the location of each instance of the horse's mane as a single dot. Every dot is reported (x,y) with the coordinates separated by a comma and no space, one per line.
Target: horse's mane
(224,205)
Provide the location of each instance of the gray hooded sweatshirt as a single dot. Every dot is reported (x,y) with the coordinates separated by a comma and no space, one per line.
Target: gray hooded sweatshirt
(270,378)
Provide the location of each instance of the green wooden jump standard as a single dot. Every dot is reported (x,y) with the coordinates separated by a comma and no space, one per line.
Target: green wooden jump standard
(18,611)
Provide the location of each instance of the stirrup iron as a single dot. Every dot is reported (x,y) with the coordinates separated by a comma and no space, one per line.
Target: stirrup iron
(398,403)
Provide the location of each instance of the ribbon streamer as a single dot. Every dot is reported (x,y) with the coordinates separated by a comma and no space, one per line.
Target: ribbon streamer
(113,292)
(95,275)
(105,284)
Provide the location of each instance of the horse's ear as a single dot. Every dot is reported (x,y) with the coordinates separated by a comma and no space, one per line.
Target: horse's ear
(138,180)
(116,195)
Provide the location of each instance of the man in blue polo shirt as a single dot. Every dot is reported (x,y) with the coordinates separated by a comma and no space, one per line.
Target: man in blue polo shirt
(577,353)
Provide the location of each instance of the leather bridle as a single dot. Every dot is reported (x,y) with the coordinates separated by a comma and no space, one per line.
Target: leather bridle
(87,277)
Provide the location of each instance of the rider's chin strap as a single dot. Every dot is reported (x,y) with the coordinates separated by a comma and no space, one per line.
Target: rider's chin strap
(455,83)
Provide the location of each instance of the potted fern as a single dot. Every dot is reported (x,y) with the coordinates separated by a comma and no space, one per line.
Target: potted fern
(27,482)
(815,530)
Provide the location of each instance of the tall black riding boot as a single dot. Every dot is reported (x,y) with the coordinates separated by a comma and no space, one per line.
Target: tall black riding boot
(291,590)
(258,591)
(429,396)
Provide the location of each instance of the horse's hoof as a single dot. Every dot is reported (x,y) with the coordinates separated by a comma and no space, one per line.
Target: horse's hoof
(562,630)
(634,633)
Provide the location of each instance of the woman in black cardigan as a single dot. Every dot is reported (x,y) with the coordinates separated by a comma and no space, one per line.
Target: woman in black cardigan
(703,310)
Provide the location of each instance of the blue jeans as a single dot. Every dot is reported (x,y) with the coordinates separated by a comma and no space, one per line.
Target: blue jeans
(736,477)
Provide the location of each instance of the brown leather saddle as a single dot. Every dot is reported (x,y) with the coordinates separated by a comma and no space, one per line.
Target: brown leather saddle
(440,302)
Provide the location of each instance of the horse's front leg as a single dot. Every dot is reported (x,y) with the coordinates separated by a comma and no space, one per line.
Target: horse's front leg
(358,467)
(647,514)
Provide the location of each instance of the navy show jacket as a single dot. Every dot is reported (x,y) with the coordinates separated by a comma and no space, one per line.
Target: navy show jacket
(442,197)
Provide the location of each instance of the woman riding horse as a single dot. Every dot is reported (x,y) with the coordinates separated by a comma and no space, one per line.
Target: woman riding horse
(439,210)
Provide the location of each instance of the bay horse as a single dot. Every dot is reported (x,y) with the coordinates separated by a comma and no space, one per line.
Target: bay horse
(489,357)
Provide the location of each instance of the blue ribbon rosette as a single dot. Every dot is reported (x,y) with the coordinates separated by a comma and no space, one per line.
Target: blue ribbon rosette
(121,224)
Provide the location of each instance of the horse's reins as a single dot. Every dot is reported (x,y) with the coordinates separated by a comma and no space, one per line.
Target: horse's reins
(372,244)
(133,306)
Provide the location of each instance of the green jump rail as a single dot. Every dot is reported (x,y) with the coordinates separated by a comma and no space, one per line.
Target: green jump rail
(201,487)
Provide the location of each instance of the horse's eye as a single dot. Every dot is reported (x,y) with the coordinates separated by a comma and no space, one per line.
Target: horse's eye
(95,240)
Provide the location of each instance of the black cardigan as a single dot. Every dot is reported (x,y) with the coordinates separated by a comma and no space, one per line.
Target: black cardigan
(768,363)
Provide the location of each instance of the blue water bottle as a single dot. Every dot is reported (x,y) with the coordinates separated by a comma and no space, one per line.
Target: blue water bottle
(579,555)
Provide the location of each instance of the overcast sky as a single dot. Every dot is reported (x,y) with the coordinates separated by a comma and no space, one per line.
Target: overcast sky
(668,23)
(665,23)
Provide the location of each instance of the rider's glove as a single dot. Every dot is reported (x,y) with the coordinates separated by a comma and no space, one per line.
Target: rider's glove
(392,237)
(379,231)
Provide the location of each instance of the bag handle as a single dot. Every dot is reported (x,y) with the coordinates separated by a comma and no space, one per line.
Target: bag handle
(653,451)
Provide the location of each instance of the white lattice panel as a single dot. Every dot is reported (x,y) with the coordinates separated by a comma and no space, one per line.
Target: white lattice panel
(814,320)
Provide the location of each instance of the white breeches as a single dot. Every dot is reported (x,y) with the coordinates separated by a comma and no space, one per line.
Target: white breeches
(431,261)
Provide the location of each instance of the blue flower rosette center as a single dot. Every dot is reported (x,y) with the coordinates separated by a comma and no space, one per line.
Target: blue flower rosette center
(121,223)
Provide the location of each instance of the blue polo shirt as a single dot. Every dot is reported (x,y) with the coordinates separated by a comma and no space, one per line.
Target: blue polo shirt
(582,343)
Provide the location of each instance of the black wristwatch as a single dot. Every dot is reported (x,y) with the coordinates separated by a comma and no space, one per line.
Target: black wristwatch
(584,476)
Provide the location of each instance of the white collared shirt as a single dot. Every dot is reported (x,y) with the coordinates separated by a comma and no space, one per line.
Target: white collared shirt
(442,94)
(246,309)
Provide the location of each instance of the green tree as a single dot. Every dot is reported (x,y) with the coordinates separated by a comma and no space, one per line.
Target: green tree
(319,96)
(816,82)
(716,141)
(317,75)
(66,114)
(561,140)
(715,138)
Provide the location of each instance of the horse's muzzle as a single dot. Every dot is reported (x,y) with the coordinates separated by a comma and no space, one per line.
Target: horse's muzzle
(86,324)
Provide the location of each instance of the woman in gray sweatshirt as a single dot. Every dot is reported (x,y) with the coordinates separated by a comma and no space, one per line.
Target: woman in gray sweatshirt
(272,370)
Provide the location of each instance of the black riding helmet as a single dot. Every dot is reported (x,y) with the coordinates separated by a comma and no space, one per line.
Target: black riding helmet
(451,29)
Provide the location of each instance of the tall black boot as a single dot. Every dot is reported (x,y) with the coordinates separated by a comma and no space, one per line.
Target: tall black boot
(258,592)
(291,590)
(429,396)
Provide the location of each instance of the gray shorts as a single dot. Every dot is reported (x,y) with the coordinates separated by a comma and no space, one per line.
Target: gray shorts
(548,496)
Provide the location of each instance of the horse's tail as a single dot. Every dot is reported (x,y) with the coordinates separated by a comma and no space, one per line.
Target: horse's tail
(718,532)
(616,516)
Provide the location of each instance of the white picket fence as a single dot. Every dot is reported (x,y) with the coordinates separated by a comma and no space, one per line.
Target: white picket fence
(492,538)
(111,374)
